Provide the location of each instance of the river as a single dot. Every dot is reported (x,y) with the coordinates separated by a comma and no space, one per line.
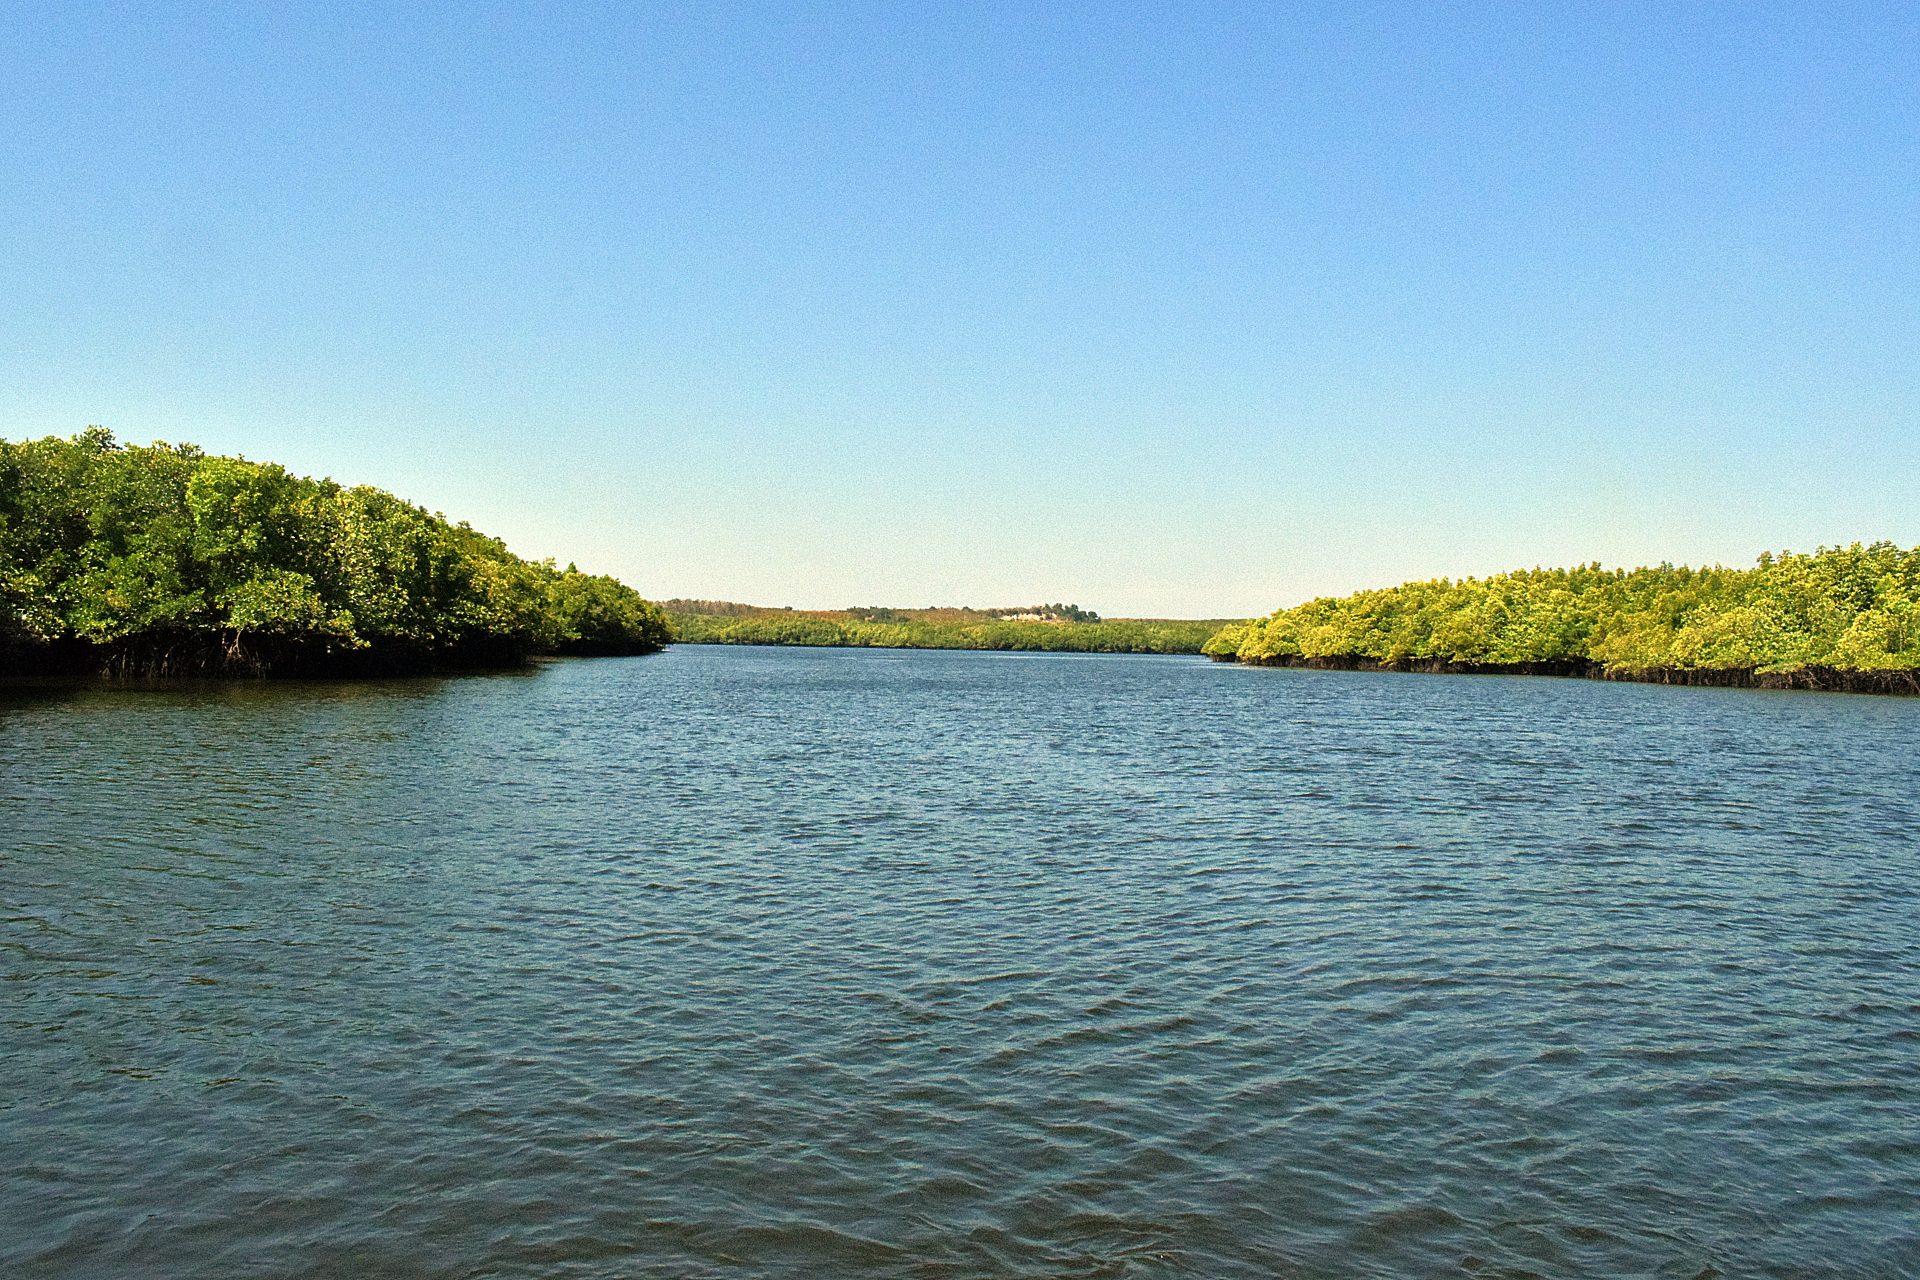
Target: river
(847,963)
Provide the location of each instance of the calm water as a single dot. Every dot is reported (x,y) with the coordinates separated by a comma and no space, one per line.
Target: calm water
(738,962)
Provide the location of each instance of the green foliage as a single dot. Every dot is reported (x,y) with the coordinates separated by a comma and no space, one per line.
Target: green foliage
(135,552)
(1070,630)
(1851,608)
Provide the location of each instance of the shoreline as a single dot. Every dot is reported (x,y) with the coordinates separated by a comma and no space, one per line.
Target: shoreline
(1889,683)
(200,657)
(947,648)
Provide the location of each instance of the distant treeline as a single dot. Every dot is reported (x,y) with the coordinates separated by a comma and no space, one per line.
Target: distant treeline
(164,560)
(717,622)
(1840,618)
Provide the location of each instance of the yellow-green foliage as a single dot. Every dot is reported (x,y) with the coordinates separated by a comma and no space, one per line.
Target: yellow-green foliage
(934,629)
(140,550)
(1851,608)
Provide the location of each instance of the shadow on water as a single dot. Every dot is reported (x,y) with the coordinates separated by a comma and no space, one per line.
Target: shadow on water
(22,691)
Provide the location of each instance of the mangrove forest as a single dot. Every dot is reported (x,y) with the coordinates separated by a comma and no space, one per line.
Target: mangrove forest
(1842,618)
(164,560)
(1051,628)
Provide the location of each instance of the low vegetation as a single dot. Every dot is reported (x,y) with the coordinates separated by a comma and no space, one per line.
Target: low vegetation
(1840,618)
(1053,628)
(164,560)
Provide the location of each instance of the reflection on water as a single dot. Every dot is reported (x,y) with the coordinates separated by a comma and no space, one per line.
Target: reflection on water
(839,963)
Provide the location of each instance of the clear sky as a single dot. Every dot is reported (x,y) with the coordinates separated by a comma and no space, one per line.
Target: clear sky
(1167,308)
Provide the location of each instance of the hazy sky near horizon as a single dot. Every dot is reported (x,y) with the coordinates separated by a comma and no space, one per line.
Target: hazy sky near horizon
(1161,308)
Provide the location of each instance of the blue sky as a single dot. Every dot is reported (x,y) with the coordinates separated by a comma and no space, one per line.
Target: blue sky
(1163,308)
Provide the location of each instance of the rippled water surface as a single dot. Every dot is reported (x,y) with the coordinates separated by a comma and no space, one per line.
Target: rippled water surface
(736,962)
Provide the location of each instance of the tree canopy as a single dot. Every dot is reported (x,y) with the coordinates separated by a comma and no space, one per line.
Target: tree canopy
(1838,609)
(160,558)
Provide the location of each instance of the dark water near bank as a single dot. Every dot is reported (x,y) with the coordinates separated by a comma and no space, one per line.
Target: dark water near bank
(737,962)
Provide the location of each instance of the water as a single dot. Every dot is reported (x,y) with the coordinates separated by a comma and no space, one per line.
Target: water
(737,962)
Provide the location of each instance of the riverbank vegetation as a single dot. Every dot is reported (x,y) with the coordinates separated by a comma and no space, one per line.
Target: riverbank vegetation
(1838,618)
(161,560)
(1057,628)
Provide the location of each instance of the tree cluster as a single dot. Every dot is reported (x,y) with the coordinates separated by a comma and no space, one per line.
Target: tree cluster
(162,559)
(1839,609)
